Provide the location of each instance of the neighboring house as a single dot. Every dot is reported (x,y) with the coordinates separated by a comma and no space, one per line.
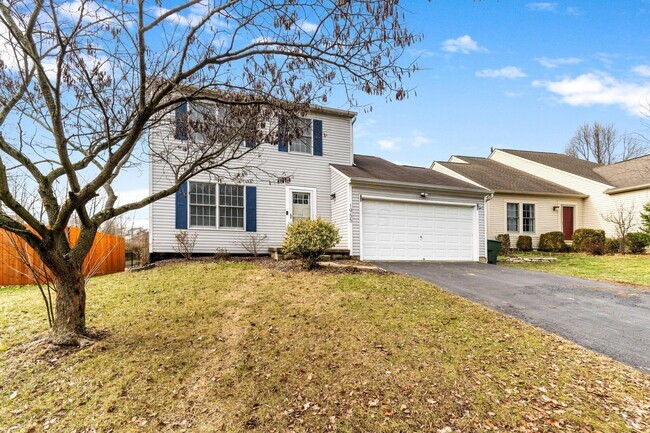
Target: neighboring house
(538,192)
(384,211)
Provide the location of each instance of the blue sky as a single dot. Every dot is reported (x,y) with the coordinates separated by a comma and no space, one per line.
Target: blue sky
(506,73)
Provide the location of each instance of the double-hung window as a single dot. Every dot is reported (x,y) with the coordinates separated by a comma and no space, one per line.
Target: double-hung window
(203,116)
(207,209)
(231,206)
(512,217)
(303,141)
(528,217)
(203,204)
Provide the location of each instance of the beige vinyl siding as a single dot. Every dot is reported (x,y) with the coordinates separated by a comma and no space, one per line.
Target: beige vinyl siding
(546,219)
(633,200)
(341,206)
(412,194)
(593,206)
(265,163)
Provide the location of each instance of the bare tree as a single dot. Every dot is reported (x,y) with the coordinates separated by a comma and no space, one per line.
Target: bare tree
(253,243)
(603,144)
(624,220)
(82,83)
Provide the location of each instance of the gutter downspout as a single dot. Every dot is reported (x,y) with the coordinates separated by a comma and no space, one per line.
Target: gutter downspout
(486,199)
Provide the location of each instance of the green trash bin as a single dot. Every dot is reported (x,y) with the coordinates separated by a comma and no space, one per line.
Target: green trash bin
(493,251)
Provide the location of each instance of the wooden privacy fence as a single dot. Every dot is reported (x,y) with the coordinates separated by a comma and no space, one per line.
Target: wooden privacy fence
(105,257)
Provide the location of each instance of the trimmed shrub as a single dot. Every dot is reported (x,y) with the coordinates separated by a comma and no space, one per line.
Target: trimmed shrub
(552,242)
(636,242)
(525,243)
(589,241)
(612,245)
(505,243)
(309,239)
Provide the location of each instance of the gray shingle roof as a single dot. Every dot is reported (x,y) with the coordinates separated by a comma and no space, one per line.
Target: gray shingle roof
(499,177)
(378,169)
(562,162)
(627,174)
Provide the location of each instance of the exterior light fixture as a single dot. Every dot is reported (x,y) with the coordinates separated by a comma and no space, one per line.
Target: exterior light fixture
(556,208)
(424,194)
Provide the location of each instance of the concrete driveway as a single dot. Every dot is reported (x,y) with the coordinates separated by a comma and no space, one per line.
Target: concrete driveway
(608,318)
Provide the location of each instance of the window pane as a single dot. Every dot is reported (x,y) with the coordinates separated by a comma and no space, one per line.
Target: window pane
(512,211)
(231,206)
(528,213)
(203,208)
(303,142)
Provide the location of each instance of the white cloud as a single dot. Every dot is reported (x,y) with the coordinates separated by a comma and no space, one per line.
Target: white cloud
(423,53)
(642,70)
(386,144)
(261,40)
(306,26)
(508,72)
(463,44)
(130,196)
(551,63)
(542,7)
(419,139)
(599,89)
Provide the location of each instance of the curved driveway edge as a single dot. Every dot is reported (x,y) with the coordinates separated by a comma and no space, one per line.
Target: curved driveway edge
(608,318)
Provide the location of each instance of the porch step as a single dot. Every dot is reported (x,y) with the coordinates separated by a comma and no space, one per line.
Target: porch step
(331,254)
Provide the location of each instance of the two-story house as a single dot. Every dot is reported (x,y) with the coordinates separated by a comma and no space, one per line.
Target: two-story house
(384,211)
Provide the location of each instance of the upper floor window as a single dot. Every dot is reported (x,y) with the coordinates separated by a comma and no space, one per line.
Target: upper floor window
(303,142)
(528,218)
(512,217)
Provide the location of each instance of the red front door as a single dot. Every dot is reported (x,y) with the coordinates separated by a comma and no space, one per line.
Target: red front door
(567,222)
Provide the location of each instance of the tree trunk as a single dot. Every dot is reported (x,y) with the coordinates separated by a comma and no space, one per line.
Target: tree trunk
(70,314)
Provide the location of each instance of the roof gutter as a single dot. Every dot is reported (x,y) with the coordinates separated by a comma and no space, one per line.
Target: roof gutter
(419,185)
(627,188)
(543,194)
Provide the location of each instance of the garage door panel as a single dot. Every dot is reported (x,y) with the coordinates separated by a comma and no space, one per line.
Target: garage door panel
(413,231)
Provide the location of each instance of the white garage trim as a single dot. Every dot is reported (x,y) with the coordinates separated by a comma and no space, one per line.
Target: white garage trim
(410,200)
(474,216)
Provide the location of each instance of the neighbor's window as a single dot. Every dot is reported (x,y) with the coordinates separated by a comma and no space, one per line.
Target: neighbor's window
(231,206)
(528,217)
(512,219)
(203,204)
(303,142)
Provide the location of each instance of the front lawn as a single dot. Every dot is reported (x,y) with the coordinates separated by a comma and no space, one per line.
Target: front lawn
(627,269)
(246,347)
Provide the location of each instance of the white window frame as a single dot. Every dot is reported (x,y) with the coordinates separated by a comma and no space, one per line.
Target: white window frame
(311,129)
(217,226)
(243,187)
(190,204)
(534,205)
(289,202)
(518,230)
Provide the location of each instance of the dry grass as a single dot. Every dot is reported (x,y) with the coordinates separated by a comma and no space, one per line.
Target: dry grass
(626,269)
(241,347)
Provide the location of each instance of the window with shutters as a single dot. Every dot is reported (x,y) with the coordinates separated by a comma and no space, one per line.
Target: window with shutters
(231,206)
(528,217)
(512,217)
(203,204)
(303,142)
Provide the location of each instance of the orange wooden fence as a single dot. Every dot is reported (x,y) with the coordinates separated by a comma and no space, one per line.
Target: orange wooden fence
(106,256)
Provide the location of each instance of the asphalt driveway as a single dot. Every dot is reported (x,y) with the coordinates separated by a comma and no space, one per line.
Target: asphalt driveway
(608,318)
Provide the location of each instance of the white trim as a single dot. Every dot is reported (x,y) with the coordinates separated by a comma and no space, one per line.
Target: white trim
(217,225)
(349,217)
(361,255)
(475,234)
(409,200)
(289,201)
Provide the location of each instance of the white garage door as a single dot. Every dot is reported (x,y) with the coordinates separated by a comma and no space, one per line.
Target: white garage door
(412,231)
